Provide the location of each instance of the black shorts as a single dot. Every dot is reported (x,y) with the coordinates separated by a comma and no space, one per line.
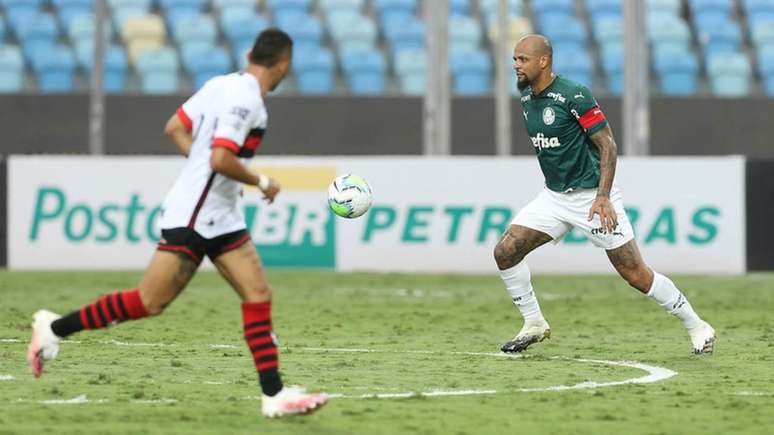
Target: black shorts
(190,243)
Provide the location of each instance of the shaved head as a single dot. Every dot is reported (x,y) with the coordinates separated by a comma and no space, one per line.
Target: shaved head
(536,45)
(533,57)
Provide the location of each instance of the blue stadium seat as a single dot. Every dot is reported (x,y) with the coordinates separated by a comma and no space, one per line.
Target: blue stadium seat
(122,15)
(613,66)
(158,69)
(2,28)
(604,9)
(541,7)
(393,6)
(305,30)
(670,30)
(115,65)
(195,28)
(345,5)
(42,28)
(133,4)
(608,30)
(701,6)
(169,5)
(54,67)
(717,32)
(464,33)
(677,71)
(241,26)
(575,65)
(11,69)
(314,70)
(81,28)
(223,5)
(762,34)
(730,75)
(670,6)
(766,68)
(365,72)
(459,7)
(471,72)
(405,34)
(568,31)
(281,9)
(204,64)
(69,9)
(411,68)
(489,7)
(19,16)
(353,32)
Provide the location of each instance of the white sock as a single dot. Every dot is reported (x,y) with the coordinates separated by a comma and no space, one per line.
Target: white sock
(670,298)
(517,282)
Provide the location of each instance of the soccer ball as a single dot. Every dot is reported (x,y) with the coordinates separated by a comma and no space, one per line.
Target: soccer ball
(349,196)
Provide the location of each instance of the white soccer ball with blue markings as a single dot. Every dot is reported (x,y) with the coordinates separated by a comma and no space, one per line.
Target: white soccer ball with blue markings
(349,196)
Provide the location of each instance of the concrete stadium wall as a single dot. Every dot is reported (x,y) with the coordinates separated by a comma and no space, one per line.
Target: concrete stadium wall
(373,125)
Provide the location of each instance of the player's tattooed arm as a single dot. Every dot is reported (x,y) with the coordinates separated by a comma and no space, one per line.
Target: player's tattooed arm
(608,155)
(178,133)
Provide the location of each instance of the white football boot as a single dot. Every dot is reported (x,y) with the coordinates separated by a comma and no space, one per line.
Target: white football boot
(44,345)
(532,332)
(292,400)
(703,338)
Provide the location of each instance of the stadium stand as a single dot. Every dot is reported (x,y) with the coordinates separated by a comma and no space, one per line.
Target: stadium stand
(373,46)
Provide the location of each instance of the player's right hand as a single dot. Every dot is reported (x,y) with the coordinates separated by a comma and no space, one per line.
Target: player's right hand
(271,192)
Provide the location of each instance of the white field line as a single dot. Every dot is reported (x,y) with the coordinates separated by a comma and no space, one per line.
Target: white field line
(654,373)
(753,393)
(6,378)
(10,340)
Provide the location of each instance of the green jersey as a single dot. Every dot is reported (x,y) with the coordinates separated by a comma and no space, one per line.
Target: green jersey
(560,120)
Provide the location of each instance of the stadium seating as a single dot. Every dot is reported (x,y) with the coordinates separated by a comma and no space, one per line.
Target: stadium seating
(54,67)
(158,69)
(115,67)
(676,70)
(387,33)
(730,74)
(471,72)
(203,63)
(766,68)
(411,68)
(314,70)
(11,69)
(365,71)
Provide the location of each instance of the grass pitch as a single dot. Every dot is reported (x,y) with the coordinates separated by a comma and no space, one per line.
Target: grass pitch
(188,371)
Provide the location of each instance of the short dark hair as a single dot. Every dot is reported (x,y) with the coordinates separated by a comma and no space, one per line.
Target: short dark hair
(270,46)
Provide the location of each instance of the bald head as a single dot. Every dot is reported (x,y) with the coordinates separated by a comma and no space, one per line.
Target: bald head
(533,57)
(535,45)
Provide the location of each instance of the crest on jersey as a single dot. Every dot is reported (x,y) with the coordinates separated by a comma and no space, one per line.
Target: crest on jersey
(548,116)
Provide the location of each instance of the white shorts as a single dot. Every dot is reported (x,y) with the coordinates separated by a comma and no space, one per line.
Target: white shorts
(555,213)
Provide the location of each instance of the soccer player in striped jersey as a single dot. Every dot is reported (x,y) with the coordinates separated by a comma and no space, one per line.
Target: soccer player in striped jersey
(577,154)
(218,129)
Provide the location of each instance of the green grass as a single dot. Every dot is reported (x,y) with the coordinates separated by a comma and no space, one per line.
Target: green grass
(215,389)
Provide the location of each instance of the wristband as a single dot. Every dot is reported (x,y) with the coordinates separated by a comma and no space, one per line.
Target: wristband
(263,182)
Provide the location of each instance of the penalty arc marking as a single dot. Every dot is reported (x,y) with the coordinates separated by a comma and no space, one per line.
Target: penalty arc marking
(654,373)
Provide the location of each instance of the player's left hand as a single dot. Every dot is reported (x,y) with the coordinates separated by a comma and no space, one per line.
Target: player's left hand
(604,208)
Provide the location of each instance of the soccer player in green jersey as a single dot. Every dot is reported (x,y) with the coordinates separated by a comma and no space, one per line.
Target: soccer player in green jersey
(577,154)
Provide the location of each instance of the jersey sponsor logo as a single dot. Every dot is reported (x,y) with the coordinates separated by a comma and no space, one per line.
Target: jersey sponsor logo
(548,116)
(526,98)
(557,97)
(241,112)
(579,96)
(543,142)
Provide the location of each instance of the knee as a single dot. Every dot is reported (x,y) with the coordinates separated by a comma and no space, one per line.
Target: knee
(507,255)
(260,293)
(640,278)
